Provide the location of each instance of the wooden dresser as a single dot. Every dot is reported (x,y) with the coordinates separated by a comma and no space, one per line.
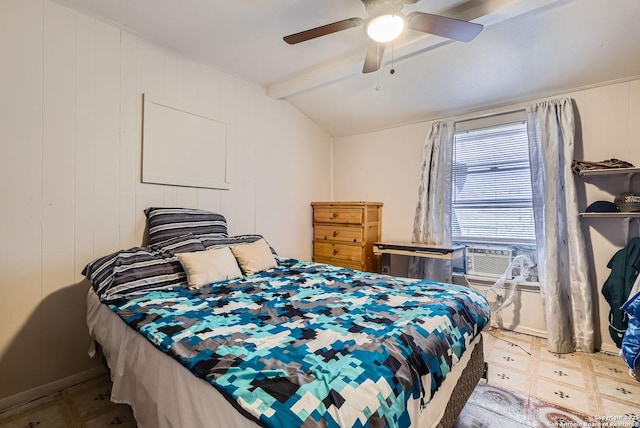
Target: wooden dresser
(344,233)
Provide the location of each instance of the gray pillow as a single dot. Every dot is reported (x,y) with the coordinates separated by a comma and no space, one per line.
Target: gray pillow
(167,223)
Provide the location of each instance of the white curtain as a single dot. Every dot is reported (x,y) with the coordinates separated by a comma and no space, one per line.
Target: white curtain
(432,222)
(562,259)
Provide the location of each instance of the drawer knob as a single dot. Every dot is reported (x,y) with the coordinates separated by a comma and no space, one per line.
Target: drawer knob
(334,215)
(335,251)
(335,233)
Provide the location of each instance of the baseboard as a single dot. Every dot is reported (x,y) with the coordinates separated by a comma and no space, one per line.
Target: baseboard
(522,329)
(50,388)
(609,348)
(606,348)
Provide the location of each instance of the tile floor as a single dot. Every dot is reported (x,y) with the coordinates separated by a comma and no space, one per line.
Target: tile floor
(593,384)
(85,405)
(596,385)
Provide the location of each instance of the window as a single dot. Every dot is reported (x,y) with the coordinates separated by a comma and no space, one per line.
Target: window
(491,193)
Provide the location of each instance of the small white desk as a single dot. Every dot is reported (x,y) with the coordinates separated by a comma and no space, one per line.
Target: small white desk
(412,249)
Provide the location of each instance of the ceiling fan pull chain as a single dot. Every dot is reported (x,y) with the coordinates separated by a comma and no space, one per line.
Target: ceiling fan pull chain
(378,70)
(393,70)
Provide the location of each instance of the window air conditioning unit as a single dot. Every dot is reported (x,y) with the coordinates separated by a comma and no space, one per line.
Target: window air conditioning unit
(489,262)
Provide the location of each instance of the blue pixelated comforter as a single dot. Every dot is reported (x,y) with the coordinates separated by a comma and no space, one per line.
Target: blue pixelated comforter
(314,345)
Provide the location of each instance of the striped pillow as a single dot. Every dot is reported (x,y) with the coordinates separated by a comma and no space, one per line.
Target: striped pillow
(167,223)
(140,271)
(100,271)
(214,241)
(187,243)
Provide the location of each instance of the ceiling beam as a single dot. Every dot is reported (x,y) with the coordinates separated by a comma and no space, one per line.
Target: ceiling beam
(485,12)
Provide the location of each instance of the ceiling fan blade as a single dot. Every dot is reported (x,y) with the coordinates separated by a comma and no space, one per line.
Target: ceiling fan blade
(442,26)
(313,33)
(374,57)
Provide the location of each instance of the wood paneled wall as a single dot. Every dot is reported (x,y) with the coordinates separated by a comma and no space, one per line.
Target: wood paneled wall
(70,136)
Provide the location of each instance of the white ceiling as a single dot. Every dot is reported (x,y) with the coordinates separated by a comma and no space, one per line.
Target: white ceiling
(528,48)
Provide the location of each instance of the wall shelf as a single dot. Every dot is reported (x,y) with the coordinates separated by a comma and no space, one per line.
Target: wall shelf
(609,171)
(611,215)
(628,173)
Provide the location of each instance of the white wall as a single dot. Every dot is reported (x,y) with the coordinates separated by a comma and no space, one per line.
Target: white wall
(384,166)
(70,138)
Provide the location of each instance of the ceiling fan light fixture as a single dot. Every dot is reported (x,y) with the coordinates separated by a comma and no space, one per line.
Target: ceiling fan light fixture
(385,28)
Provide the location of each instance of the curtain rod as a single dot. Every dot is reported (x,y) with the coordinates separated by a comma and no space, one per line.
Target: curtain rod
(484,116)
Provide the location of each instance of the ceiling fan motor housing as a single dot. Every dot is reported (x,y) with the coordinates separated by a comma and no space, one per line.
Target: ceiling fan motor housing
(382,7)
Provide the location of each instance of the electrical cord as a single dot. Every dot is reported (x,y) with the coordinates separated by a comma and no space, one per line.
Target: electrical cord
(509,342)
(491,331)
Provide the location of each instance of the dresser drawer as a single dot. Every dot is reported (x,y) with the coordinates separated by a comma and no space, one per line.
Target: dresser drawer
(338,215)
(326,250)
(337,233)
(339,262)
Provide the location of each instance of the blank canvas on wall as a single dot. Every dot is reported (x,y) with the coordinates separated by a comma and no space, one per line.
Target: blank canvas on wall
(182,147)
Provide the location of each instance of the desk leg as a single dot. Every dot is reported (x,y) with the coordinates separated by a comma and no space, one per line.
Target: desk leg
(385,260)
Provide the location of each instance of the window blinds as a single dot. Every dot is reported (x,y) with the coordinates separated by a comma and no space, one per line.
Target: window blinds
(492,199)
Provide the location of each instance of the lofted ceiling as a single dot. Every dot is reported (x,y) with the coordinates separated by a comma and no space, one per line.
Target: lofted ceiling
(528,48)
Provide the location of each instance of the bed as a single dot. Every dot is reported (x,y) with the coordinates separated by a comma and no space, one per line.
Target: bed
(285,343)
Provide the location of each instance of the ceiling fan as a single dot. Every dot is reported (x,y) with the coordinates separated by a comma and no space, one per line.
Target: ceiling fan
(386,22)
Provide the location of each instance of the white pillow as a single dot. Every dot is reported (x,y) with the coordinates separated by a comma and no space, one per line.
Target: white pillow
(254,257)
(206,267)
